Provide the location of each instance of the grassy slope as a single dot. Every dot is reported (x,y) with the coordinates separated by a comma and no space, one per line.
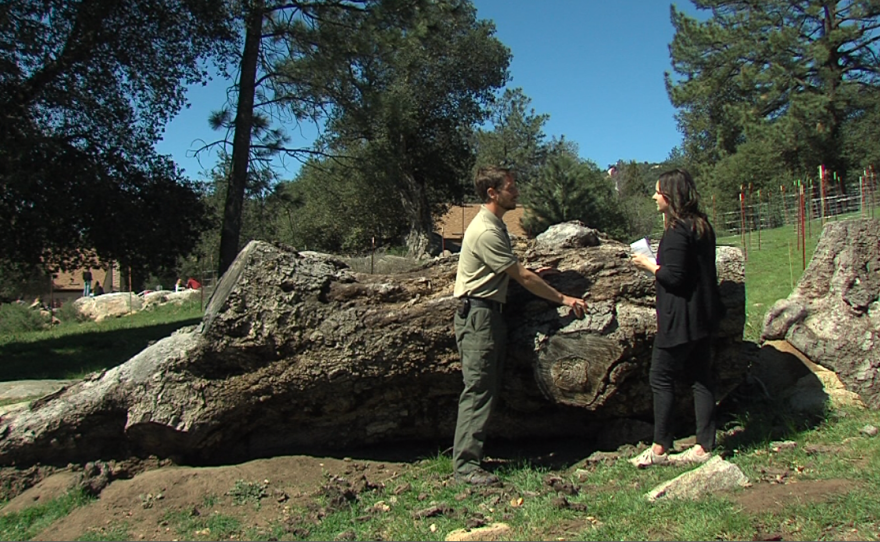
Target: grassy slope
(771,270)
(73,350)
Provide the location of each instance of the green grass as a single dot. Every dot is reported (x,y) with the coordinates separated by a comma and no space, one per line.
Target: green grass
(213,526)
(112,532)
(25,524)
(74,349)
(610,503)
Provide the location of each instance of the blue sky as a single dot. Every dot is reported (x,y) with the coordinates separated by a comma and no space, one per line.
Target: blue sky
(595,66)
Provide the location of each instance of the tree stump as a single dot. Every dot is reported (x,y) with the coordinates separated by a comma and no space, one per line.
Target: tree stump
(833,314)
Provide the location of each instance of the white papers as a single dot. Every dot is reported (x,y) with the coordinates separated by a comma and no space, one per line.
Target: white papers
(643,247)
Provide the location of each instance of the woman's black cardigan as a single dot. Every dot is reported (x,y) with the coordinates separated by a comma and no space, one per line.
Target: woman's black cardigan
(688,300)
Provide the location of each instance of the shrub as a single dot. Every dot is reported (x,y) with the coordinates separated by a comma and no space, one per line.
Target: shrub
(18,318)
(69,314)
(245,492)
(570,189)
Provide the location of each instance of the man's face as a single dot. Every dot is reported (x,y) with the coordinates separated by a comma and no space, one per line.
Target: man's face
(507,195)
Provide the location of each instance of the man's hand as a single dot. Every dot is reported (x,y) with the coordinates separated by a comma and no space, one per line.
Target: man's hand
(577,304)
(545,270)
(535,284)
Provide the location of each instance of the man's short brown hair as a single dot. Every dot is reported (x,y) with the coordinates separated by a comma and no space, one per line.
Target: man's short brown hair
(490,177)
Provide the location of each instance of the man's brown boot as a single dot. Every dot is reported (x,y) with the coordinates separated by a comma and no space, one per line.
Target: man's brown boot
(478,477)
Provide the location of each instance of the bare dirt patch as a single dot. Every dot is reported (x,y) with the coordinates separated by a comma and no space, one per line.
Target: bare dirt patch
(261,493)
(769,497)
(288,496)
(49,488)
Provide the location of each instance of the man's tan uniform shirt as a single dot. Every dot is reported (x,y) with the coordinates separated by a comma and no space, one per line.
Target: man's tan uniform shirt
(485,254)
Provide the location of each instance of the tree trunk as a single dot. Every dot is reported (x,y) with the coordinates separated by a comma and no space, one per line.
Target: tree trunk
(420,241)
(298,354)
(241,143)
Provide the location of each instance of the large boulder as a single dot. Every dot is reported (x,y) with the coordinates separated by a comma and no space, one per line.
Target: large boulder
(108,305)
(163,297)
(117,304)
(296,353)
(833,314)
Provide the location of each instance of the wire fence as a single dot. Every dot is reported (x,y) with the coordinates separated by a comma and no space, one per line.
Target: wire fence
(799,209)
(788,209)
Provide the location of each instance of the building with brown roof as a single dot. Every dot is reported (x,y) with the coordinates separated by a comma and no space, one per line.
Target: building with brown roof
(68,285)
(453,224)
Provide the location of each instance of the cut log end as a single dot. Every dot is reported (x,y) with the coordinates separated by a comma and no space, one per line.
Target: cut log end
(572,368)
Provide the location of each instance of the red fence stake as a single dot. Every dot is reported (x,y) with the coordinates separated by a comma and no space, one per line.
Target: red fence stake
(759,219)
(822,190)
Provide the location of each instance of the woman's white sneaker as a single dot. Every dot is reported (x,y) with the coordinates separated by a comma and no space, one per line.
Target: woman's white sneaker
(691,456)
(648,458)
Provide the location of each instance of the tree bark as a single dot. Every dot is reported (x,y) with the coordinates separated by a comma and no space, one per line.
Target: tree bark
(833,314)
(241,143)
(421,223)
(298,354)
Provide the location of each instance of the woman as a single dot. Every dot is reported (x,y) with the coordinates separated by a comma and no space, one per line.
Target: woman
(688,311)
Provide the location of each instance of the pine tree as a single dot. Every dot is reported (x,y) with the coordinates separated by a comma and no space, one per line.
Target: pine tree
(516,139)
(566,189)
(768,90)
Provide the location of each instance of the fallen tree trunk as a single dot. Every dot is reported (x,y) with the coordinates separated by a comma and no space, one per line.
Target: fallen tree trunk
(296,354)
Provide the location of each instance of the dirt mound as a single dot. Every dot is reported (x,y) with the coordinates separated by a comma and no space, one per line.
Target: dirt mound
(154,505)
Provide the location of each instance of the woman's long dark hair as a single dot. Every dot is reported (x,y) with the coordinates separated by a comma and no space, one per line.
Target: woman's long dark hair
(678,187)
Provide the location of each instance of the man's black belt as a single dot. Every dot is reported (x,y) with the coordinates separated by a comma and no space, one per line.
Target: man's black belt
(485,303)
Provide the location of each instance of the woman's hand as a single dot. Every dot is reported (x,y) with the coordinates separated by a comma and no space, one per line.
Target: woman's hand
(643,262)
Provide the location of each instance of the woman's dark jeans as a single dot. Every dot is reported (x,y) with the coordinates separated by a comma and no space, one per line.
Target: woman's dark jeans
(693,361)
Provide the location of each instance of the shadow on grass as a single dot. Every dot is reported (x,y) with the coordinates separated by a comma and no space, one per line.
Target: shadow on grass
(74,356)
(556,453)
(751,419)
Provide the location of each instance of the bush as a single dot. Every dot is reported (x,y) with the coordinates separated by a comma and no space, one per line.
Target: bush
(570,189)
(69,314)
(18,318)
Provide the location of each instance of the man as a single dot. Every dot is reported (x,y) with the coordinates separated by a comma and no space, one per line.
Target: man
(87,283)
(485,266)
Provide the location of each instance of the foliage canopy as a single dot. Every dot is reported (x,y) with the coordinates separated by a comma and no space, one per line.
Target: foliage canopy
(85,88)
(767,91)
(568,188)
